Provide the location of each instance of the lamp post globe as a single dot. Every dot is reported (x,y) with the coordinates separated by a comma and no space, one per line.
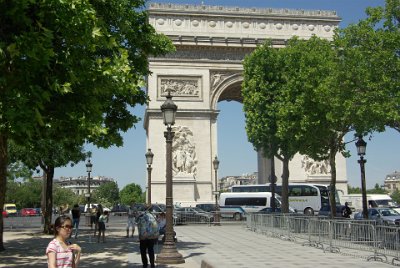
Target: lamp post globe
(169,254)
(361,150)
(168,110)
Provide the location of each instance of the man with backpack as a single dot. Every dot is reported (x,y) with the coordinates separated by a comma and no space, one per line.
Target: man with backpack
(148,233)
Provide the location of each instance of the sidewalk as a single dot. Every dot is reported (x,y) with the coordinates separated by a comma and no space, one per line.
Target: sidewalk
(201,246)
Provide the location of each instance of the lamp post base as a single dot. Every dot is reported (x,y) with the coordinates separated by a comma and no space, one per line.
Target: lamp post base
(169,255)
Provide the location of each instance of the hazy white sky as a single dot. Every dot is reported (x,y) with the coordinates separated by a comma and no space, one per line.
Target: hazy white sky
(127,164)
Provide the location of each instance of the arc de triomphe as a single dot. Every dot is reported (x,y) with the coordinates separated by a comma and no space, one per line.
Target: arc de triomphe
(211,42)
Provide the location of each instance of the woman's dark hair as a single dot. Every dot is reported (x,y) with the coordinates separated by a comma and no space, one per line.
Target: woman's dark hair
(59,222)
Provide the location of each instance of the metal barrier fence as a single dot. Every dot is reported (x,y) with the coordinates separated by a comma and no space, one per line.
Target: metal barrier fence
(382,243)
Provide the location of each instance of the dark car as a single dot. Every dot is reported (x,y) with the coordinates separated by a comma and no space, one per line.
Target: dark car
(193,214)
(268,210)
(119,210)
(384,216)
(325,211)
(207,207)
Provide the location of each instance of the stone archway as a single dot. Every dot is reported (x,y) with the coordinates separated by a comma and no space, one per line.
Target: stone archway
(211,43)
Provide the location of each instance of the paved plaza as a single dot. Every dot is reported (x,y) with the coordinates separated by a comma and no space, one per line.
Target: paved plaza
(229,245)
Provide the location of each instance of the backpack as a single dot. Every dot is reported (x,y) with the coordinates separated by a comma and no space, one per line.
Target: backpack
(147,226)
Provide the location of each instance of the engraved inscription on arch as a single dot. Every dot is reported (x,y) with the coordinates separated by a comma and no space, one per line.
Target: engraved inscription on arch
(182,87)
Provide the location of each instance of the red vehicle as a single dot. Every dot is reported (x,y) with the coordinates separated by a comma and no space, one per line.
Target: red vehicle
(5,214)
(28,212)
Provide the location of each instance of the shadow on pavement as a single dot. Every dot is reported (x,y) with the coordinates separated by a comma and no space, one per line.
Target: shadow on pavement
(27,249)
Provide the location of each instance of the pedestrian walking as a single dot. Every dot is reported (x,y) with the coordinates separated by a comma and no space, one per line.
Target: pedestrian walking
(148,233)
(103,219)
(132,215)
(76,215)
(60,252)
(93,213)
(99,212)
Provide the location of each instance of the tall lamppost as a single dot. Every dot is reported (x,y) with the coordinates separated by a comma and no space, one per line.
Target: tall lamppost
(361,148)
(149,159)
(217,218)
(169,254)
(89,166)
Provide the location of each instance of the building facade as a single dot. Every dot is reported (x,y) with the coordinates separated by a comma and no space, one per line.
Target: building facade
(392,182)
(79,185)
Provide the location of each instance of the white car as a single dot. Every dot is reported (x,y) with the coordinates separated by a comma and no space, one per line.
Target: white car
(95,205)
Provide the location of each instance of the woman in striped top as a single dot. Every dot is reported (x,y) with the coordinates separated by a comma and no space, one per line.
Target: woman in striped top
(60,253)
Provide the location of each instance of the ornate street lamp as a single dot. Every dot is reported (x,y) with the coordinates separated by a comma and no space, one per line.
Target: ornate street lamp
(361,148)
(169,254)
(216,218)
(149,159)
(89,166)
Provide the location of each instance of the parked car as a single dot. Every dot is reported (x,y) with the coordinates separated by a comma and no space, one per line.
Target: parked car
(325,211)
(5,214)
(11,209)
(119,210)
(38,211)
(207,207)
(28,212)
(268,210)
(384,216)
(192,214)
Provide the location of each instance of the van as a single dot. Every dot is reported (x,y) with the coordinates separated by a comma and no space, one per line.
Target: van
(11,209)
(373,201)
(250,202)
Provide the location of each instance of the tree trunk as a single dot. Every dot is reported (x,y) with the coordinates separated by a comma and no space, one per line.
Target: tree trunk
(332,192)
(285,186)
(3,182)
(48,212)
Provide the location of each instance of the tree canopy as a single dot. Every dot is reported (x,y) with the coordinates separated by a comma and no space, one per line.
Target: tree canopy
(70,71)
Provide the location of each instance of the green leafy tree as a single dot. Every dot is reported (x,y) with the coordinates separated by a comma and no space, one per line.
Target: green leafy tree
(396,196)
(29,194)
(72,67)
(131,193)
(262,86)
(377,190)
(353,190)
(107,194)
(280,100)
(64,197)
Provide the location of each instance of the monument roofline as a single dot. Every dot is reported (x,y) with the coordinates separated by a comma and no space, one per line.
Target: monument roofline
(243,11)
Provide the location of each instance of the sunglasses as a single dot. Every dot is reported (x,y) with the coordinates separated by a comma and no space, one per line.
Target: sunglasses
(69,227)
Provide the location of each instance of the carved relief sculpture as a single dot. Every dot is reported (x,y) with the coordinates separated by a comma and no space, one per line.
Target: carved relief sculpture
(179,87)
(183,152)
(313,167)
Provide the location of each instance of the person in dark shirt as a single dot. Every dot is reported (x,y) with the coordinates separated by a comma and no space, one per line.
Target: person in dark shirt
(346,212)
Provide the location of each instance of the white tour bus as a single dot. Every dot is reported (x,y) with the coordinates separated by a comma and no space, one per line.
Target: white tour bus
(250,202)
(304,197)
